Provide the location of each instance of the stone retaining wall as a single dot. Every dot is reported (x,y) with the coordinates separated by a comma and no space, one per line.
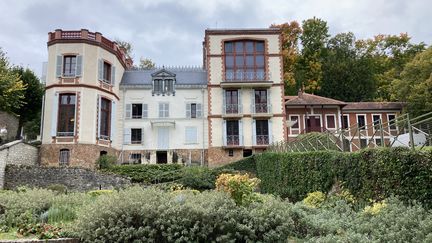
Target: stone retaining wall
(75,179)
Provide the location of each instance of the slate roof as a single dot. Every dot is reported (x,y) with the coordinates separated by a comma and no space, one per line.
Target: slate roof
(184,76)
(310,99)
(374,106)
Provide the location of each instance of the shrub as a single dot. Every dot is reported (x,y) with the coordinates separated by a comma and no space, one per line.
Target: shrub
(241,188)
(244,165)
(96,193)
(154,173)
(375,208)
(59,188)
(314,199)
(150,215)
(106,161)
(199,178)
(369,174)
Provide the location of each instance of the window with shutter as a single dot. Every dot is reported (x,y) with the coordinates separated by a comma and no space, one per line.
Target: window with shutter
(144,110)
(69,66)
(191,135)
(163,110)
(137,110)
(128,111)
(188,110)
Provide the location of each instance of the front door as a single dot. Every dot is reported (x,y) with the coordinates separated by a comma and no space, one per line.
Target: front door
(313,124)
(163,138)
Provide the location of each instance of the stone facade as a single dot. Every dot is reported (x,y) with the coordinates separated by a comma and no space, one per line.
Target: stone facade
(75,179)
(10,123)
(81,155)
(16,153)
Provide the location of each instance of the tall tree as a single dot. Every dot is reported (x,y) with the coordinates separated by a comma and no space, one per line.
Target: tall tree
(290,53)
(146,63)
(347,73)
(30,111)
(11,87)
(415,84)
(127,46)
(309,66)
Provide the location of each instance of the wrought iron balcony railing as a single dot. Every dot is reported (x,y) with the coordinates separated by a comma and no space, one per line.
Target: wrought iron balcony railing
(233,140)
(232,109)
(247,76)
(262,139)
(261,108)
(65,134)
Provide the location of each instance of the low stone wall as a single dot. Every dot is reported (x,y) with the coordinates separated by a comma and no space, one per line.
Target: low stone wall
(75,179)
(17,153)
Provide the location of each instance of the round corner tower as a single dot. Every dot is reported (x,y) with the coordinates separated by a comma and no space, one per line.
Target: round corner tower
(81,98)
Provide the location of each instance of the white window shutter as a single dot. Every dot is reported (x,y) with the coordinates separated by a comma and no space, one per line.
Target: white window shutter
(128,114)
(161,114)
(142,136)
(78,68)
(99,98)
(127,136)
(241,132)
(188,110)
(113,120)
(190,134)
(269,106)
(59,66)
(239,102)
(54,115)
(144,110)
(113,69)
(253,101)
(224,133)
(254,132)
(270,133)
(166,110)
(100,69)
(224,102)
(198,110)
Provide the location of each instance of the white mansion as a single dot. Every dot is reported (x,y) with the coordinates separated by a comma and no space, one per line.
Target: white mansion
(96,103)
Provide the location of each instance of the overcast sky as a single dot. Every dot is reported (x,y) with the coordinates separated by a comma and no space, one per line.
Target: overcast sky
(171,32)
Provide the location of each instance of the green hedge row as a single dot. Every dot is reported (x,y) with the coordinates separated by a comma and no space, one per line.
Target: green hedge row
(246,165)
(368,174)
(148,173)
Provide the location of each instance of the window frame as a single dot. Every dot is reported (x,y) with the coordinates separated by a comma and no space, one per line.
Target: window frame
(298,123)
(164,110)
(108,119)
(61,107)
(72,66)
(140,110)
(64,153)
(365,122)
(107,70)
(376,126)
(138,132)
(394,122)
(242,67)
(334,121)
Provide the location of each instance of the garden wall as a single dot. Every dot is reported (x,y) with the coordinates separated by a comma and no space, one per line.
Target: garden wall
(369,174)
(75,179)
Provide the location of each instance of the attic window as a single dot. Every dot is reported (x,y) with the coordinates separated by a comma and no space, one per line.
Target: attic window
(163,86)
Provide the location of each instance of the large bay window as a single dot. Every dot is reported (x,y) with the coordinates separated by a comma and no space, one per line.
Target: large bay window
(244,60)
(66,115)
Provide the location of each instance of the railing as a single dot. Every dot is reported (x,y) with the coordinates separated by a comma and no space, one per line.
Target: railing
(65,134)
(233,140)
(247,76)
(232,109)
(261,108)
(86,35)
(262,139)
(403,131)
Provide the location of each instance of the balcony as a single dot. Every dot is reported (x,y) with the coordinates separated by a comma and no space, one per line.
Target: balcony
(85,36)
(261,110)
(247,79)
(262,140)
(232,140)
(232,110)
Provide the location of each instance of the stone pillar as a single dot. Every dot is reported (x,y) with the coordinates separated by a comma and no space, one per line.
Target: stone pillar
(84,33)
(58,34)
(98,36)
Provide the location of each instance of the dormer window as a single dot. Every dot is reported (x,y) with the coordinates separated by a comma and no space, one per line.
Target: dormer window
(163,83)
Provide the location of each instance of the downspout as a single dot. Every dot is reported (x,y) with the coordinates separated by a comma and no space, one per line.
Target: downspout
(122,127)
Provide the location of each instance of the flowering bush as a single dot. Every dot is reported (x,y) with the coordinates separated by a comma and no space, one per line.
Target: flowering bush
(375,208)
(241,188)
(314,199)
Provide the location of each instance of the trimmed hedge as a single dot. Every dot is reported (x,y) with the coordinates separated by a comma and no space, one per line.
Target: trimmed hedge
(368,174)
(247,164)
(149,173)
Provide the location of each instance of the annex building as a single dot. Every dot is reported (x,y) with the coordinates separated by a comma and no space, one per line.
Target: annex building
(97,103)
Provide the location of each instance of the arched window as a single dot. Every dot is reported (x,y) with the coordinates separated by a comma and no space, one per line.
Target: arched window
(64,157)
(244,60)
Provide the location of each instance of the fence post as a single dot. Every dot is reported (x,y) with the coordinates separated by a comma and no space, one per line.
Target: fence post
(359,136)
(411,135)
(342,140)
(382,133)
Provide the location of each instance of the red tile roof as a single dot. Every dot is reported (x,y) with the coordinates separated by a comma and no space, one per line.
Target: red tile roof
(310,99)
(374,106)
